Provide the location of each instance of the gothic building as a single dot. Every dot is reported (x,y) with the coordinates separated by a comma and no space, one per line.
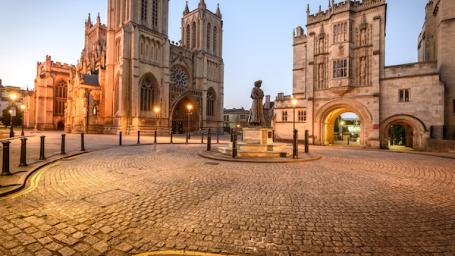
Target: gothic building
(132,77)
(339,67)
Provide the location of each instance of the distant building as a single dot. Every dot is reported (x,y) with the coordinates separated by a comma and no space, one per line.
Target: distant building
(339,67)
(234,117)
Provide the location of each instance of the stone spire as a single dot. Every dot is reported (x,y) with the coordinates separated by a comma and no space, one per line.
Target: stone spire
(202,5)
(308,9)
(218,11)
(98,19)
(187,9)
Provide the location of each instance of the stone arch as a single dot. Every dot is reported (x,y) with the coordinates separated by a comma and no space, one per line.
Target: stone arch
(179,117)
(327,114)
(418,131)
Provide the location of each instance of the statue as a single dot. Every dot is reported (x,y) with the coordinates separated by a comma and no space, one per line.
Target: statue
(256,117)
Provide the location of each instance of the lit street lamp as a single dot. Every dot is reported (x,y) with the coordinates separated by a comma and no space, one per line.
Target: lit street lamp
(156,110)
(13,98)
(190,108)
(23,107)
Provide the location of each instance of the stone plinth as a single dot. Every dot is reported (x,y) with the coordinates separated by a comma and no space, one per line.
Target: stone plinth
(261,136)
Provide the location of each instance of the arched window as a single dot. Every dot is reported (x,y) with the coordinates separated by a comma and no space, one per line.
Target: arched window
(188,36)
(147,94)
(215,40)
(211,97)
(144,7)
(155,14)
(209,31)
(61,91)
(193,34)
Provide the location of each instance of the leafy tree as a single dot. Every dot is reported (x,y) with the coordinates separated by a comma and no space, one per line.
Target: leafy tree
(17,120)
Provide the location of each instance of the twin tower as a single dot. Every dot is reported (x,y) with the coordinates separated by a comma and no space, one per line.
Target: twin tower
(150,80)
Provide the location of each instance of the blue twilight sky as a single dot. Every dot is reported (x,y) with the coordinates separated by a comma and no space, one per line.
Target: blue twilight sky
(257,37)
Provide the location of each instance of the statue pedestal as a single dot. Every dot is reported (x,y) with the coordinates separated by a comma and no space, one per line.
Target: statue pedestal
(261,136)
(258,143)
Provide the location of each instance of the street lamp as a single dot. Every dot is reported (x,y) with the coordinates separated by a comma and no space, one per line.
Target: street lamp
(23,107)
(13,98)
(189,107)
(294,131)
(156,110)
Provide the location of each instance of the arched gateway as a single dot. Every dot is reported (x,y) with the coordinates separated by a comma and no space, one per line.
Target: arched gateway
(413,132)
(185,115)
(327,115)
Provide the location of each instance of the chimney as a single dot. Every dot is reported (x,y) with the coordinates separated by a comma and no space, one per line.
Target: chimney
(267,102)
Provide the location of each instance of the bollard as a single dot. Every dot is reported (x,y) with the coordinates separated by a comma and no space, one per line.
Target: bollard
(217,137)
(209,140)
(62,145)
(41,148)
(232,136)
(306,142)
(138,137)
(295,146)
(120,139)
(5,168)
(202,136)
(155,135)
(234,146)
(187,138)
(82,142)
(172,139)
(23,161)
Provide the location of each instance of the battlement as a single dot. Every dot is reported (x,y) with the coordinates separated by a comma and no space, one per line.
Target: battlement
(345,5)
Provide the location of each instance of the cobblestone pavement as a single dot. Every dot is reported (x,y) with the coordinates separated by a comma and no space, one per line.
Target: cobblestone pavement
(138,199)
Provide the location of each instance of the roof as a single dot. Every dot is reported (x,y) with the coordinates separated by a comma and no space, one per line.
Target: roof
(235,111)
(90,79)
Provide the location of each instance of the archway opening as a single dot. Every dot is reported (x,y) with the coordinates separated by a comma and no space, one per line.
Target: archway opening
(343,127)
(400,137)
(185,116)
(60,126)
(347,129)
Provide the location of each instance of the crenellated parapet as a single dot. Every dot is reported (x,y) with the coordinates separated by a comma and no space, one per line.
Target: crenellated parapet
(344,6)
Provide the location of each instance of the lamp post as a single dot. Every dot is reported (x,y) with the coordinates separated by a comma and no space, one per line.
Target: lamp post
(23,107)
(13,98)
(189,107)
(295,151)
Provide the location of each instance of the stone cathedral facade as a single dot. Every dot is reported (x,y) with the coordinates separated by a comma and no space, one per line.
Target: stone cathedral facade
(339,67)
(132,77)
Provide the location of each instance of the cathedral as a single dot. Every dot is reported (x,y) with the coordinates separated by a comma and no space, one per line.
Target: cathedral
(339,67)
(131,77)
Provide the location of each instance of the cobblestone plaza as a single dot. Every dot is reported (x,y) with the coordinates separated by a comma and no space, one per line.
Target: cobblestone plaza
(131,200)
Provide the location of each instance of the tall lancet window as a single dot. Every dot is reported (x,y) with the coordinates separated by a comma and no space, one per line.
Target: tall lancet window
(215,40)
(188,36)
(211,97)
(209,31)
(147,95)
(144,7)
(193,34)
(155,14)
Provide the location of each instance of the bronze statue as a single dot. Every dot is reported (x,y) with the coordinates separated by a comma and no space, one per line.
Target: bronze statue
(256,117)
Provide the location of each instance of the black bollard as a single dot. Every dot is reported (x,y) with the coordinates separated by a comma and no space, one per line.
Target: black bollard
(306,141)
(23,161)
(120,139)
(5,168)
(82,142)
(234,146)
(209,140)
(232,136)
(202,136)
(295,146)
(155,135)
(217,137)
(41,148)
(172,138)
(62,146)
(187,138)
(138,137)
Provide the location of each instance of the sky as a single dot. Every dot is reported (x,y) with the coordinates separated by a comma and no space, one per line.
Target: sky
(257,38)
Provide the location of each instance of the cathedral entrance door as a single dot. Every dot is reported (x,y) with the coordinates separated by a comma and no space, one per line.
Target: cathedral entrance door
(185,116)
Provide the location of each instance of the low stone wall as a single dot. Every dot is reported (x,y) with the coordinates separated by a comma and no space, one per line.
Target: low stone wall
(441,146)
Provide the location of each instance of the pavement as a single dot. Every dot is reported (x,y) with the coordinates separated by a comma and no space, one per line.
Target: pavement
(152,198)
